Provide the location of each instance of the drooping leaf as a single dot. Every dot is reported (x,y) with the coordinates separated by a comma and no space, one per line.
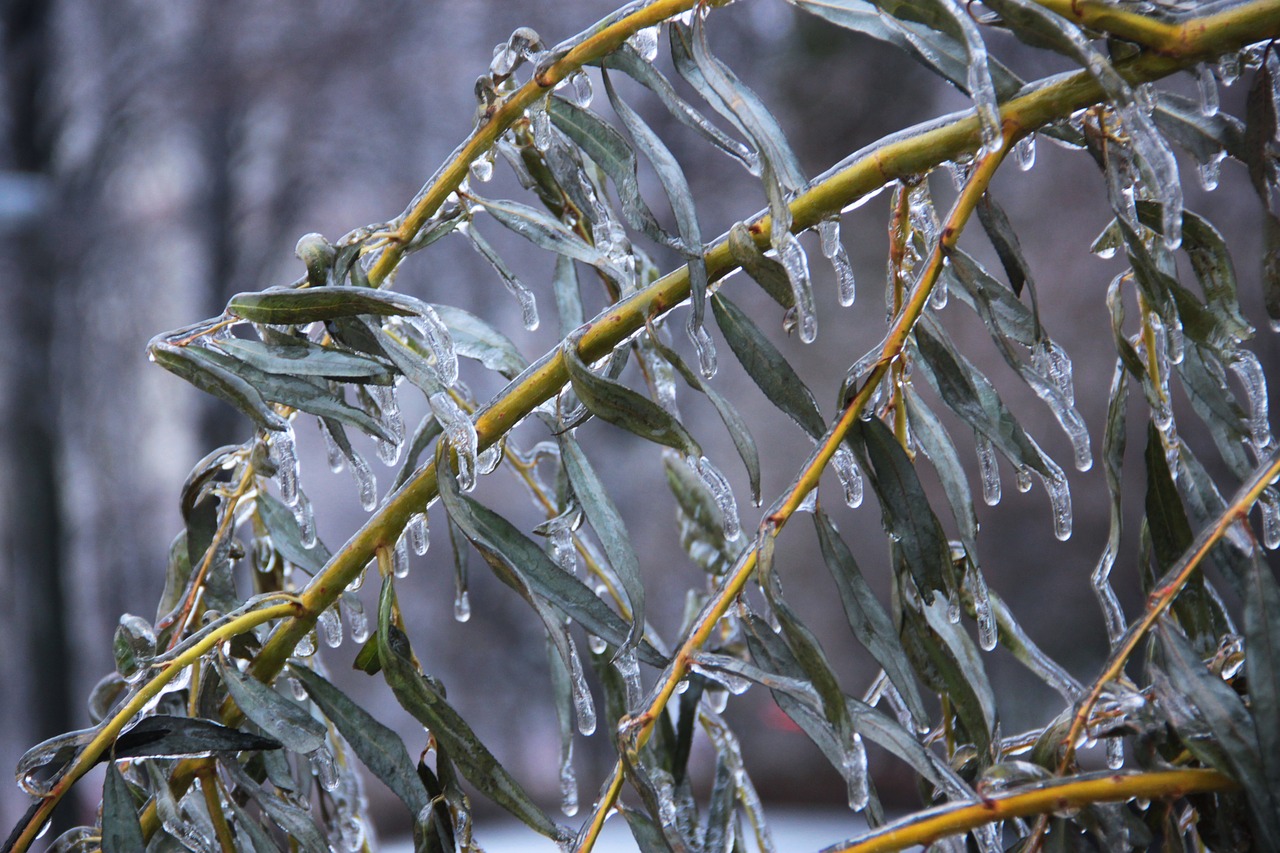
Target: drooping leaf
(304,358)
(1005,240)
(121,831)
(278,716)
(380,748)
(216,380)
(286,538)
(296,307)
(295,822)
(550,234)
(936,444)
(765,271)
(476,339)
(166,736)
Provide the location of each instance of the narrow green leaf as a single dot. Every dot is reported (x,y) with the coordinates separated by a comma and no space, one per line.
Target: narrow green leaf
(765,271)
(295,822)
(216,380)
(165,736)
(613,402)
(287,538)
(295,307)
(278,716)
(1262,668)
(380,748)
(475,339)
(258,836)
(548,233)
(304,358)
(868,619)
(936,444)
(1005,240)
(767,367)
(121,831)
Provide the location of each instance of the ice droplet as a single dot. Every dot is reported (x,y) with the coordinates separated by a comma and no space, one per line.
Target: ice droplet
(940,294)
(1024,152)
(1024,479)
(285,456)
(794,260)
(568,784)
(1115,753)
(305,515)
(705,348)
(330,627)
(1245,365)
(1060,498)
(583,706)
(462,605)
(482,167)
(418,532)
(1210,170)
(854,768)
(357,621)
(1270,504)
(1229,68)
(333,452)
(1208,86)
(323,766)
(460,433)
(989,469)
(365,482)
(850,476)
(400,559)
(645,43)
(576,89)
(833,249)
(306,646)
(719,488)
(953,607)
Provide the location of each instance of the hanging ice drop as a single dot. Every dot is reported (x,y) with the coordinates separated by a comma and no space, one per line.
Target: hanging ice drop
(833,249)
(582,702)
(330,627)
(285,457)
(462,605)
(989,469)
(796,264)
(418,532)
(719,488)
(365,482)
(460,433)
(850,476)
(854,768)
(1024,152)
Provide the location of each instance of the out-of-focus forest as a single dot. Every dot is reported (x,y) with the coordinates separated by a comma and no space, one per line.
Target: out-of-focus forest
(157,157)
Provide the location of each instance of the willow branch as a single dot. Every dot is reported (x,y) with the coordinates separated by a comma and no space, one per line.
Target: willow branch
(1044,798)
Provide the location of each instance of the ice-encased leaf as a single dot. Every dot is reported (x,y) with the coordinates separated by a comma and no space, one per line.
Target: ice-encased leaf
(291,818)
(1262,668)
(121,831)
(166,736)
(273,712)
(614,402)
(286,537)
(518,561)
(301,357)
(550,234)
(607,522)
(528,304)
(903,503)
(380,748)
(767,367)
(1005,241)
(214,379)
(297,307)
(423,699)
(935,443)
(956,662)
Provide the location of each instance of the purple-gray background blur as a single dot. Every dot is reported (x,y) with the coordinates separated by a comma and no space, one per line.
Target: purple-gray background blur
(158,157)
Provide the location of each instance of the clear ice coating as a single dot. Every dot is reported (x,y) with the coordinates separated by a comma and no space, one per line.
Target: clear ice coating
(285,456)
(705,348)
(482,167)
(723,494)
(462,605)
(1207,83)
(796,263)
(323,766)
(460,433)
(435,334)
(645,43)
(833,250)
(1024,479)
(853,767)
(418,532)
(305,515)
(60,749)
(333,452)
(540,124)
(976,584)
(850,476)
(400,559)
(1270,504)
(306,646)
(988,468)
(568,784)
(559,532)
(628,666)
(1210,170)
(1245,365)
(357,621)
(1060,499)
(330,626)
(1112,612)
(583,705)
(1024,152)
(576,89)
(1115,752)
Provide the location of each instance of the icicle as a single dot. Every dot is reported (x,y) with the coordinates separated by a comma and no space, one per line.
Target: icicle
(306,646)
(1024,152)
(977,586)
(1208,85)
(330,627)
(419,533)
(296,690)
(324,768)
(568,784)
(306,517)
(1115,752)
(460,433)
(1246,366)
(582,703)
(61,748)
(959,171)
(540,124)
(389,417)
(332,450)
(645,43)
(705,348)
(357,621)
(400,559)
(1270,504)
(597,644)
(796,263)
(1052,362)
(562,551)
(629,669)
(719,488)
(1210,170)
(1111,610)
(833,249)
(953,607)
(439,341)
(462,605)
(940,294)
(365,481)
(850,476)
(854,768)
(989,468)
(285,457)
(1060,497)
(663,378)
(482,167)
(576,89)
(1024,479)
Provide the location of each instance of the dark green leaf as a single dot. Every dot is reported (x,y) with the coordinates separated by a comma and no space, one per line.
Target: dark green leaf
(767,367)
(295,822)
(1005,240)
(163,736)
(121,831)
(295,307)
(943,650)
(766,272)
(379,747)
(278,716)
(613,402)
(936,444)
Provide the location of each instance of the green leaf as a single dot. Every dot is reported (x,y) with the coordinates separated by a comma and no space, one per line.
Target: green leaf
(121,831)
(295,822)
(216,380)
(920,540)
(1262,668)
(767,367)
(607,522)
(475,339)
(303,358)
(164,736)
(296,307)
(278,716)
(619,405)
(1005,240)
(421,698)
(936,444)
(765,271)
(521,564)
(286,538)
(380,748)
(868,619)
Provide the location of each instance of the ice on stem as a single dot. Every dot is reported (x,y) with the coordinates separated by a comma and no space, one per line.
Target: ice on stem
(460,433)
(833,250)
(1112,612)
(418,532)
(645,43)
(285,456)
(583,705)
(796,263)
(365,482)
(850,476)
(61,749)
(719,488)
(989,469)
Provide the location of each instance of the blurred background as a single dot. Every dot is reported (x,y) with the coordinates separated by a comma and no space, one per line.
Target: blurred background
(157,157)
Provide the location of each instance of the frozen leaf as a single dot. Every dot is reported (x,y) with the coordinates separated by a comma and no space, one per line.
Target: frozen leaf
(286,536)
(216,380)
(305,358)
(297,307)
(528,304)
(766,271)
(163,736)
(278,716)
(550,234)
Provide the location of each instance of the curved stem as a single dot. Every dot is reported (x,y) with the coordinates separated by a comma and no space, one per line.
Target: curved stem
(1041,799)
